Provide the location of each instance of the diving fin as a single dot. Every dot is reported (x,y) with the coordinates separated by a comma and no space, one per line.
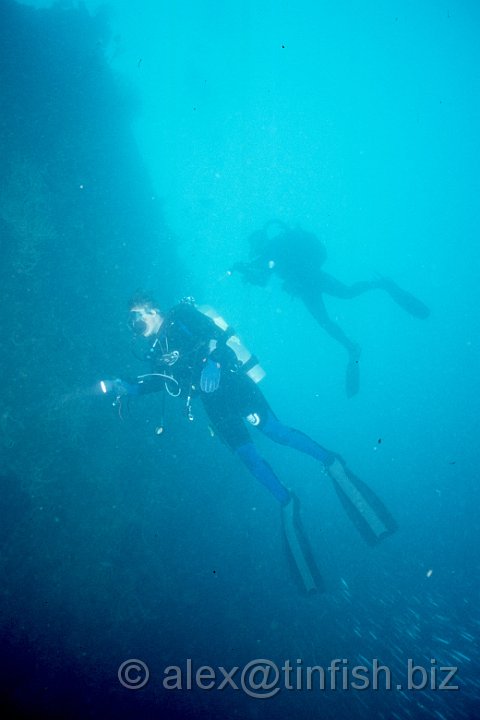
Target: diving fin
(299,549)
(406,300)
(364,508)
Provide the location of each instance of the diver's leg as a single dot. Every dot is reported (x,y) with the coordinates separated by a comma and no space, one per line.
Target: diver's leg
(256,410)
(224,411)
(314,303)
(303,563)
(366,510)
(330,285)
(284,435)
(336,332)
(403,298)
(299,550)
(262,471)
(298,546)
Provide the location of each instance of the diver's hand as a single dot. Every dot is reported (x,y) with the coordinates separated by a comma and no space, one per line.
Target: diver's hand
(210,376)
(255,273)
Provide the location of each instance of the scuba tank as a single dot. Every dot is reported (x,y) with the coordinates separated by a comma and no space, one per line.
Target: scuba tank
(247,361)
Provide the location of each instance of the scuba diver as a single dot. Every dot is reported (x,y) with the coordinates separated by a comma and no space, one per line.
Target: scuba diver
(193,353)
(297,256)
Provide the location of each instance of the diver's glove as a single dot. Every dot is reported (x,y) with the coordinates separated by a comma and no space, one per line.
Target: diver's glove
(210,376)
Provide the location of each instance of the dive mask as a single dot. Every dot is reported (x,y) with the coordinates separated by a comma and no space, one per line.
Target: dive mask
(138,320)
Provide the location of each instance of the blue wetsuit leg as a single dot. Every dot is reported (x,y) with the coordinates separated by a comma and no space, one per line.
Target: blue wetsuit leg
(280,433)
(262,471)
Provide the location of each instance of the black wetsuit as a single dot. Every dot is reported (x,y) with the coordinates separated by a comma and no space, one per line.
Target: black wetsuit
(180,351)
(186,339)
(297,257)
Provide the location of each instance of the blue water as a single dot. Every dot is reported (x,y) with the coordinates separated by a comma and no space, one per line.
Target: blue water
(141,146)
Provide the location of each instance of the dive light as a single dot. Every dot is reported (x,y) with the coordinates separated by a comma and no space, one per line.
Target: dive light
(106,386)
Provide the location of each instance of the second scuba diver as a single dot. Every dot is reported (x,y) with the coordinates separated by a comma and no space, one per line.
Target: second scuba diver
(297,256)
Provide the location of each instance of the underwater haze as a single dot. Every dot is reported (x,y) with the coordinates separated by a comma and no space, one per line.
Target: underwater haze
(143,144)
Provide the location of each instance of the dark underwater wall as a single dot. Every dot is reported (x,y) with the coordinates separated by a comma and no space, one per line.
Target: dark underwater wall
(80,230)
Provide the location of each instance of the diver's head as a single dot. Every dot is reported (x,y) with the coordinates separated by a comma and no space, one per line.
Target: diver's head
(145,316)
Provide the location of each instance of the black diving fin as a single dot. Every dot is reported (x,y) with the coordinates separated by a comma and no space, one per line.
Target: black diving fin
(299,550)
(406,300)
(364,508)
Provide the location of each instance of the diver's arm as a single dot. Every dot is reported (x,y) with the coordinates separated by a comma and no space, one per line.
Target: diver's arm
(151,383)
(216,339)
(216,354)
(256,272)
(141,385)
